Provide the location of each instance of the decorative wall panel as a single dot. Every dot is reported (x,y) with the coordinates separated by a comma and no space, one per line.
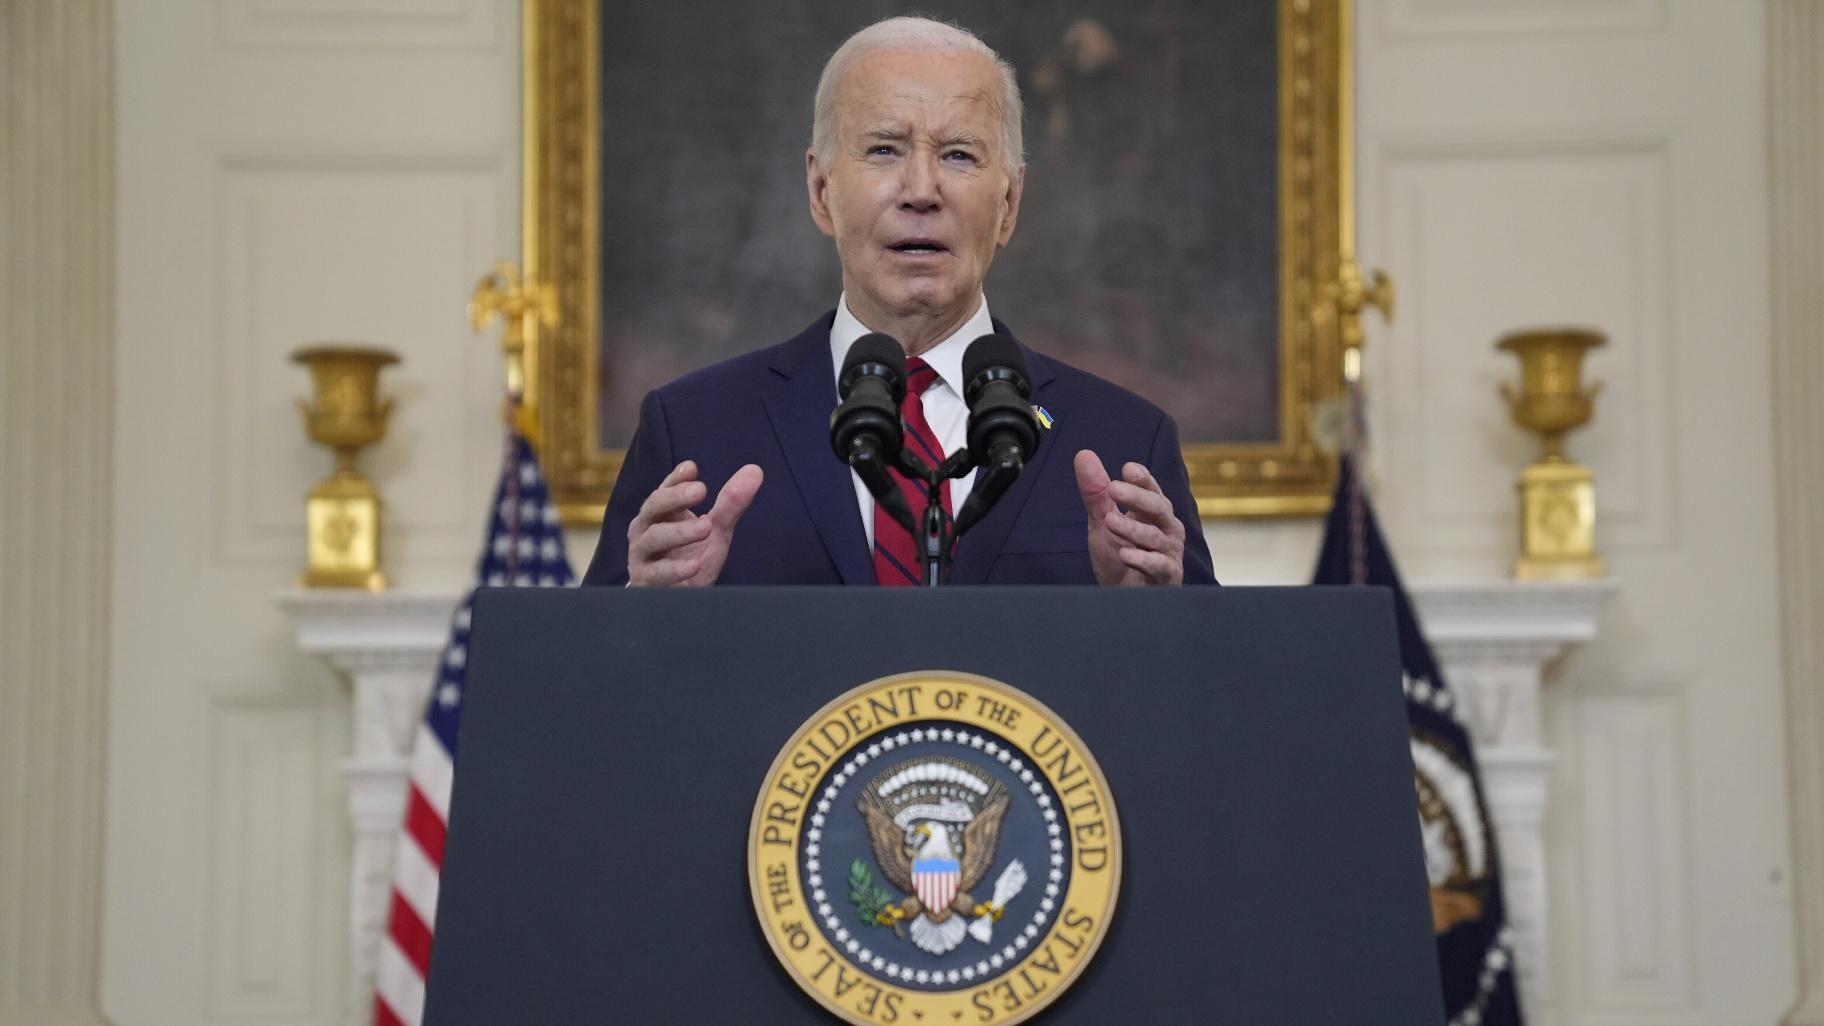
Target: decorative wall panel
(1439,18)
(1469,224)
(362,250)
(1635,830)
(265,802)
(355,24)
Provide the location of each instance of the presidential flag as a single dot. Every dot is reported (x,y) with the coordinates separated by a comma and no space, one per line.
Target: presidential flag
(524,548)
(1475,944)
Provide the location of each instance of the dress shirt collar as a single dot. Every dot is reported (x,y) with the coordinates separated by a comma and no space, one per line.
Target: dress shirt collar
(946,358)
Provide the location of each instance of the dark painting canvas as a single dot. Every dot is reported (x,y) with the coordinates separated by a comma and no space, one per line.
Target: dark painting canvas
(1147,248)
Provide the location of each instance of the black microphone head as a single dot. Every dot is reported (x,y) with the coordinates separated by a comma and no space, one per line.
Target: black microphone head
(871,386)
(874,355)
(993,358)
(1001,426)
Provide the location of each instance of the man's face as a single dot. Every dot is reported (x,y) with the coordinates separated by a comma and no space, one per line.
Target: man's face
(917,193)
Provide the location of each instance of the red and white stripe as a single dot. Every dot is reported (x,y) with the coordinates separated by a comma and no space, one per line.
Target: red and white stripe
(405,951)
(937,890)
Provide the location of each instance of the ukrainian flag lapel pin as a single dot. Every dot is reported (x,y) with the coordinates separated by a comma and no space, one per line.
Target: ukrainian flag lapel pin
(1043,416)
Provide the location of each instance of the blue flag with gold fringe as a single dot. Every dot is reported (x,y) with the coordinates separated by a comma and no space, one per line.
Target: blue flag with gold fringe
(1468,914)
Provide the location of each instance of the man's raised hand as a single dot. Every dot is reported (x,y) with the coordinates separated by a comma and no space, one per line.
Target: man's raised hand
(1134,535)
(668,545)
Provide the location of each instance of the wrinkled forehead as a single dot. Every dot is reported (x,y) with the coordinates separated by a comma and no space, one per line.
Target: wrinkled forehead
(918,92)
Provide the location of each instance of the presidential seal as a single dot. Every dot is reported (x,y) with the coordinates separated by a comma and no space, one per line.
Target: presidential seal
(934,847)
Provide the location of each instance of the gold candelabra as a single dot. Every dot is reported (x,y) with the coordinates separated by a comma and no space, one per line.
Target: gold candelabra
(1557,495)
(343,510)
(1354,292)
(525,304)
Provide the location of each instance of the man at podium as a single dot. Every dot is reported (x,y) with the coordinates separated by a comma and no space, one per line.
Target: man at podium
(915,170)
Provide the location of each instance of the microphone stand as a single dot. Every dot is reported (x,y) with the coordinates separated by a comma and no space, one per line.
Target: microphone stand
(935,535)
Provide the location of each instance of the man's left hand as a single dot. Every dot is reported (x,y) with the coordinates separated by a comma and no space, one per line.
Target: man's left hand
(1134,536)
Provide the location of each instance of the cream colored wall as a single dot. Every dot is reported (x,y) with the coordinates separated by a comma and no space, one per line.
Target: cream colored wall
(289,171)
(1605,163)
(295,170)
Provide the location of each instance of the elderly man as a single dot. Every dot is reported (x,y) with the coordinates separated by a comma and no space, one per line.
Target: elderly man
(915,170)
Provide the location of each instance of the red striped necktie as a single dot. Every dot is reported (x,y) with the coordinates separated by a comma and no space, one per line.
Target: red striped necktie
(895,551)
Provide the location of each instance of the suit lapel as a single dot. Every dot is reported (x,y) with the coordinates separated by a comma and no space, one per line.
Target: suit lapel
(976,551)
(798,402)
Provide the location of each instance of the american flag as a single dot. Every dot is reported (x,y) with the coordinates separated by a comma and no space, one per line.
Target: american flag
(525,548)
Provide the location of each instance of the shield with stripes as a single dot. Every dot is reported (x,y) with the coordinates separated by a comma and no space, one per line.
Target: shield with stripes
(935,881)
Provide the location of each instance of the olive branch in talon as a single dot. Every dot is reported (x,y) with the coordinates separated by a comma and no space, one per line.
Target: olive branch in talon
(875,906)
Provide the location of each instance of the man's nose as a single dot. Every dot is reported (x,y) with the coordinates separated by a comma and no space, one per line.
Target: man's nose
(918,189)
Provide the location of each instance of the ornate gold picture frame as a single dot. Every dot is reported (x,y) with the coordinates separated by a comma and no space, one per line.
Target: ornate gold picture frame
(1319,286)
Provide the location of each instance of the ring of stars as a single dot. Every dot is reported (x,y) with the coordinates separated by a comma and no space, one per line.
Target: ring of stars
(826,911)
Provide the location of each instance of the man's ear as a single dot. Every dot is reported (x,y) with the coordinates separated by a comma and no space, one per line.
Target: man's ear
(1010,213)
(817,185)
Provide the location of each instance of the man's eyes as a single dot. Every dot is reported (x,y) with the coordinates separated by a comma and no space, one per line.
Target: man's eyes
(949,156)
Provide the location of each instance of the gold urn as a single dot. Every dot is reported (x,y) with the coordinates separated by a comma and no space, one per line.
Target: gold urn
(343,510)
(1557,495)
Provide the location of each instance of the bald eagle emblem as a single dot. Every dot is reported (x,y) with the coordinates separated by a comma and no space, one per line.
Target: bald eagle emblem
(933,825)
(1459,852)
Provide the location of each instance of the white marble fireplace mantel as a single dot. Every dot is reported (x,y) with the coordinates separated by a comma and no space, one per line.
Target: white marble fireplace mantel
(1494,640)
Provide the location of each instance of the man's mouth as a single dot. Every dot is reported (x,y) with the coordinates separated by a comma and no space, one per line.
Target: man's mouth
(919,247)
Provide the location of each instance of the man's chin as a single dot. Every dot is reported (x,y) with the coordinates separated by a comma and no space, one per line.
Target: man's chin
(925,298)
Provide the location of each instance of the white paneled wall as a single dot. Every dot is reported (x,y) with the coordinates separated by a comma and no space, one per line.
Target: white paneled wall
(263,796)
(1435,19)
(1636,835)
(1495,234)
(290,171)
(300,170)
(1539,162)
(407,235)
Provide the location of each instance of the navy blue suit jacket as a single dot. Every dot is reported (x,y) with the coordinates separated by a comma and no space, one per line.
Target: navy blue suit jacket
(772,408)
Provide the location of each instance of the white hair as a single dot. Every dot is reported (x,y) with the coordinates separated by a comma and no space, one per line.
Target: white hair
(919,35)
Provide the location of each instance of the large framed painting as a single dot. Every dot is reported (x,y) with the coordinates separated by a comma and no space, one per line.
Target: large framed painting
(1182,232)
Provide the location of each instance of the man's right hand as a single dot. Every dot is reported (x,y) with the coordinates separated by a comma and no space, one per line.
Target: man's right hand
(669,545)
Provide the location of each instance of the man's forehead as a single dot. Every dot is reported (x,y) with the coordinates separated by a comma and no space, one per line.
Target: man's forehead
(886,122)
(891,84)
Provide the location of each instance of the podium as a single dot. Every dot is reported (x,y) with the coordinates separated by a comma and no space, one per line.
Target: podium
(614,742)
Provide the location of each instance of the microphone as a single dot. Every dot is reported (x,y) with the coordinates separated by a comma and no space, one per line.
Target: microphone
(865,429)
(1002,432)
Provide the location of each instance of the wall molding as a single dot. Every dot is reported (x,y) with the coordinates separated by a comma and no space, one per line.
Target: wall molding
(449,25)
(1796,93)
(1635,823)
(1403,20)
(264,777)
(56,428)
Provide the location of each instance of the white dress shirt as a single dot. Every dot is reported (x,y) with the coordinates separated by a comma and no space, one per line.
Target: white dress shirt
(945,410)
